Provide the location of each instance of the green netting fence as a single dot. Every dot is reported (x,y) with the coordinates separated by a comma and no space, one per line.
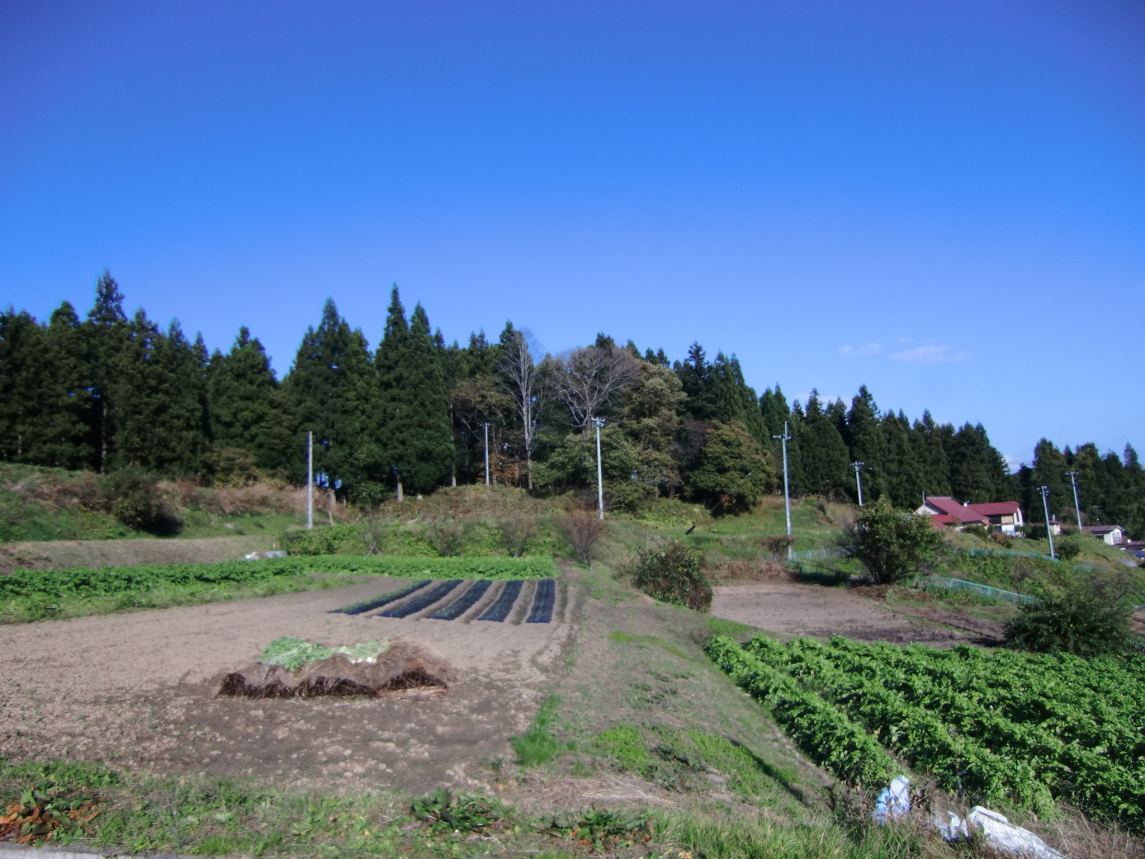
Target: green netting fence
(940,582)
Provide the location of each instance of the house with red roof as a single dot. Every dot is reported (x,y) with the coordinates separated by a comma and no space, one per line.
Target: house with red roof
(1003,516)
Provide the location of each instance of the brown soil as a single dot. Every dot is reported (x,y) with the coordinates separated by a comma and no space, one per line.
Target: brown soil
(138,691)
(788,609)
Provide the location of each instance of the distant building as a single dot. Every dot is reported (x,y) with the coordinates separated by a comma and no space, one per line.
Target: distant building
(1112,535)
(1002,516)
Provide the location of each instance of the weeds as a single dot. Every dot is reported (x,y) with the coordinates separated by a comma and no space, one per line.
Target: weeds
(538,745)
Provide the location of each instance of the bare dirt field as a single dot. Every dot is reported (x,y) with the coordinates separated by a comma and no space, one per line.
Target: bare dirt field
(138,690)
(791,609)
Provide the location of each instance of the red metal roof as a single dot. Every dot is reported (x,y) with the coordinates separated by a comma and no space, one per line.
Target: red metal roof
(956,511)
(996,508)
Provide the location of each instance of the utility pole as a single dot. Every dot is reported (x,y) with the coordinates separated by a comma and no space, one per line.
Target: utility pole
(486,453)
(859,479)
(785,438)
(598,423)
(1045,491)
(310,480)
(1077,507)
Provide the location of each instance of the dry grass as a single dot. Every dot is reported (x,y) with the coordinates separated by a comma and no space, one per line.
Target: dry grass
(728,571)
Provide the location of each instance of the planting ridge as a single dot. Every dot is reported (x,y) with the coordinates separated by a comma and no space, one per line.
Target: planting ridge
(463,603)
(543,602)
(504,603)
(385,599)
(422,602)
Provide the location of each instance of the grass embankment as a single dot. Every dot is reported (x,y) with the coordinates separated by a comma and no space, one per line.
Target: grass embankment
(29,595)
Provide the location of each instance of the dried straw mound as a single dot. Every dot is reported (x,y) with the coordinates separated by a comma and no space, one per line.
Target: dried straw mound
(404,667)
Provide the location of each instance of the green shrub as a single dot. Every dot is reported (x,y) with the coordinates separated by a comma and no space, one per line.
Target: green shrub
(979,531)
(673,574)
(1081,621)
(1067,548)
(132,496)
(891,544)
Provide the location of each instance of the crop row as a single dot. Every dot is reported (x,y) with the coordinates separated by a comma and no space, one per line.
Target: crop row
(958,762)
(384,599)
(463,603)
(424,601)
(85,581)
(543,602)
(825,734)
(504,603)
(996,727)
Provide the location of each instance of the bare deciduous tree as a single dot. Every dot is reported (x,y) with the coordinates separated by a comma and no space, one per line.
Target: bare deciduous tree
(587,379)
(518,373)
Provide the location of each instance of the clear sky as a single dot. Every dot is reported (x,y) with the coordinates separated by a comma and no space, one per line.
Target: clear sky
(942,200)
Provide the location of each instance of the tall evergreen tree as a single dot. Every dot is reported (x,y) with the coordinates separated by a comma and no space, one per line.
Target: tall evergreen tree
(106,331)
(866,444)
(332,390)
(903,478)
(141,380)
(243,411)
(824,452)
(22,385)
(977,470)
(930,456)
(414,433)
(66,442)
(1049,469)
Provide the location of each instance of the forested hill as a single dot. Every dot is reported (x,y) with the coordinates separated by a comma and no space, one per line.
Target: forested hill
(108,392)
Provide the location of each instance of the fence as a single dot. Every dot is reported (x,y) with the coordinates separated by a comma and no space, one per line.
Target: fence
(817,554)
(927,582)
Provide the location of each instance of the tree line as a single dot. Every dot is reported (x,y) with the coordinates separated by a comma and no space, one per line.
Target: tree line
(110,392)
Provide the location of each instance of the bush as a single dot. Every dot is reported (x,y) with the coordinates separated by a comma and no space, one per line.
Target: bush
(582,528)
(1067,548)
(132,496)
(979,531)
(673,574)
(516,532)
(448,535)
(1082,621)
(778,547)
(890,544)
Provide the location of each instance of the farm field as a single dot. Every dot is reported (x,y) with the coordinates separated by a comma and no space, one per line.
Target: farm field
(138,691)
(788,609)
(631,714)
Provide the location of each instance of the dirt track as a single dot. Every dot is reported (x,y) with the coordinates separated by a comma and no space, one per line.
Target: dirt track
(789,609)
(138,690)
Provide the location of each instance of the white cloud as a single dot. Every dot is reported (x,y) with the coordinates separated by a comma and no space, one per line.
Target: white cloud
(861,351)
(931,354)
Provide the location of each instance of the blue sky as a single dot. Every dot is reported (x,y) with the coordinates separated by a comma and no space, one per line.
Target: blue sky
(944,201)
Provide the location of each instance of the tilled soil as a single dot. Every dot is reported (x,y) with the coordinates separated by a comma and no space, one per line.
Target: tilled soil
(138,690)
(789,609)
